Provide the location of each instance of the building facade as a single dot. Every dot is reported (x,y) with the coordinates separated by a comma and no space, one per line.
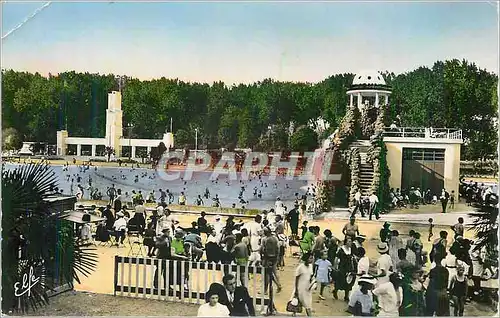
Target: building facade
(95,147)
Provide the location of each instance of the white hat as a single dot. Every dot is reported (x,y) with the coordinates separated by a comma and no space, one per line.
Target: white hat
(120,213)
(367,279)
(282,237)
(382,247)
(160,209)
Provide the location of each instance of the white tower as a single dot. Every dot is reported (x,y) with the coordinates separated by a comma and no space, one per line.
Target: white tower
(114,126)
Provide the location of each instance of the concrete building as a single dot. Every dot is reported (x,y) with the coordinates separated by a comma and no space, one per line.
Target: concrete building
(95,147)
(427,158)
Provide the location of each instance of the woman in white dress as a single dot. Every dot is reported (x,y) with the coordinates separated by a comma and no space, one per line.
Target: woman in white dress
(304,283)
(395,243)
(363,267)
(213,308)
(410,253)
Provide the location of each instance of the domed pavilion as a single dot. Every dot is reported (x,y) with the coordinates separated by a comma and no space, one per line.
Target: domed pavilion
(368,87)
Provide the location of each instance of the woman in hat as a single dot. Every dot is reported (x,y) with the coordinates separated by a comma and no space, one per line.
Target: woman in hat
(361,301)
(345,268)
(363,265)
(413,294)
(384,263)
(395,243)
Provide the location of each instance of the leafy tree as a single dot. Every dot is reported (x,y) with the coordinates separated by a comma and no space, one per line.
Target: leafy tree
(183,138)
(452,93)
(11,139)
(304,139)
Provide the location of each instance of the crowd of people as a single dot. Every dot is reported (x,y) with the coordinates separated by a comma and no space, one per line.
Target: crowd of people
(406,280)
(478,193)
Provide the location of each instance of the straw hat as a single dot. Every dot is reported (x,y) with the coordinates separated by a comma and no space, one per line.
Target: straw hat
(382,247)
(361,237)
(367,279)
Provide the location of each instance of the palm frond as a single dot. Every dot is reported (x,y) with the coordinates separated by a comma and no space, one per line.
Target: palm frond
(485,225)
(48,244)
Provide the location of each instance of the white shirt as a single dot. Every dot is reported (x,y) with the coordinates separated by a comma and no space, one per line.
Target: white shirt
(366,301)
(253,228)
(373,198)
(357,196)
(255,243)
(160,210)
(218,226)
(140,209)
(388,299)
(363,265)
(218,310)
(271,217)
(384,263)
(230,296)
(120,224)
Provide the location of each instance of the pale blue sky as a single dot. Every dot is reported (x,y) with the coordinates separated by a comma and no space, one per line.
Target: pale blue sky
(246,42)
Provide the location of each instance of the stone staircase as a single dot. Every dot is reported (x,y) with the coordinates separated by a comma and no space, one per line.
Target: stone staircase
(366,169)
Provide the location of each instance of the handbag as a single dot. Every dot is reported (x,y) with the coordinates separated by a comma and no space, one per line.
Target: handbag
(294,305)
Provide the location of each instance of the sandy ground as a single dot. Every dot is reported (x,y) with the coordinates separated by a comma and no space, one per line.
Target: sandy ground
(101,281)
(90,304)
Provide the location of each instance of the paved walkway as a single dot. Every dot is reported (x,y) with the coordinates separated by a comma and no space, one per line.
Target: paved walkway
(439,218)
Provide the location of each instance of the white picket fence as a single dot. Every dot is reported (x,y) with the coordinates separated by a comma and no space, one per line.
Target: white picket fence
(136,276)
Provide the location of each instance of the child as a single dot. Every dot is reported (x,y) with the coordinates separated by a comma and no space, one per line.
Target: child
(458,290)
(323,270)
(452,200)
(418,246)
(431,226)
(304,229)
(149,239)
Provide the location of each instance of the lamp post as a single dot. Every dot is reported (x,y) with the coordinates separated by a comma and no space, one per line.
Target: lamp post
(195,143)
(130,126)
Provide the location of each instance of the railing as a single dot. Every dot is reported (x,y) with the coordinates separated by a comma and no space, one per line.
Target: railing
(182,281)
(427,133)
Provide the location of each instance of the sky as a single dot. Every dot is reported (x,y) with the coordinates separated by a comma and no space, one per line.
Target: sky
(244,42)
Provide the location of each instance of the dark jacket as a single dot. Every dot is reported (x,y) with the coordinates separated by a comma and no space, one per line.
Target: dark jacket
(242,304)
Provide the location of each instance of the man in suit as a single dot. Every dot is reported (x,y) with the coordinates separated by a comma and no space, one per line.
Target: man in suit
(237,299)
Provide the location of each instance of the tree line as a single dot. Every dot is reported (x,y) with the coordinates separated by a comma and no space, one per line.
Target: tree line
(452,93)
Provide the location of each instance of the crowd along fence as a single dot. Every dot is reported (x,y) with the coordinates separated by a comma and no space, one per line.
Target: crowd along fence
(183,281)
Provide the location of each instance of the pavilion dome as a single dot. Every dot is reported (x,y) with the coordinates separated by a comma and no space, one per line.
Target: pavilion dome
(368,78)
